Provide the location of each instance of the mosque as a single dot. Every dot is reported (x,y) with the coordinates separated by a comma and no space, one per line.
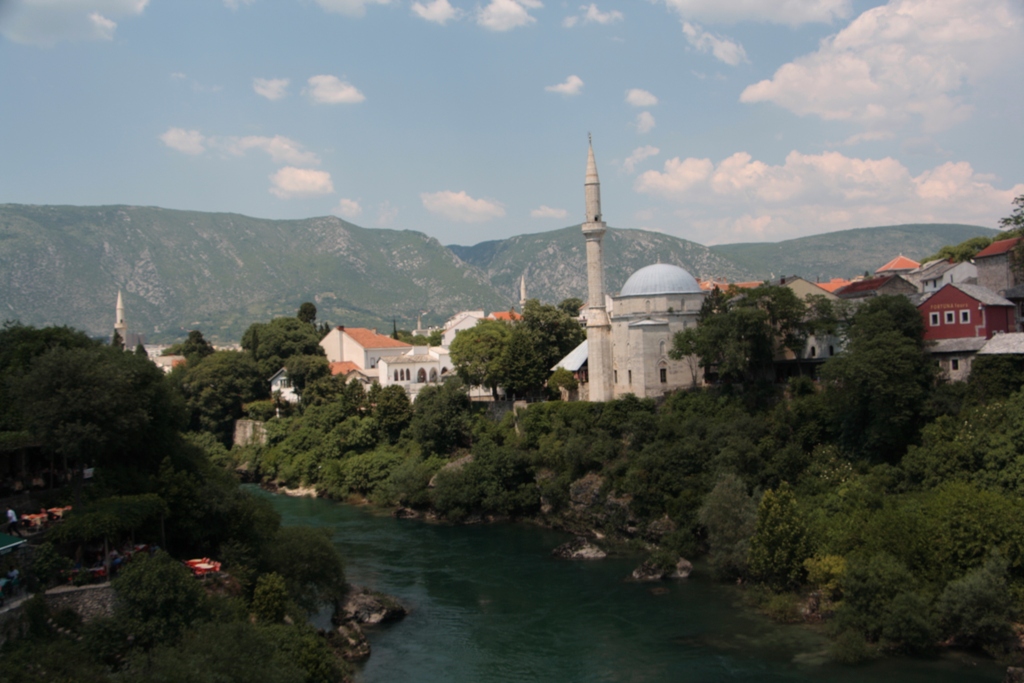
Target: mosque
(630,335)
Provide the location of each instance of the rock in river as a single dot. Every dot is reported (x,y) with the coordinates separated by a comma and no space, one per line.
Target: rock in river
(364,606)
(579,548)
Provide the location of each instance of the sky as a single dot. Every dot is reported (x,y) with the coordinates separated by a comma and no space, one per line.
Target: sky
(717,121)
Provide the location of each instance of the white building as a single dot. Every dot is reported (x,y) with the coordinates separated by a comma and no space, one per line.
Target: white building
(365,348)
(463,320)
(282,383)
(419,368)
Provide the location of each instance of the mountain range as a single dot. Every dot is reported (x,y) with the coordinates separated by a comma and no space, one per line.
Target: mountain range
(219,272)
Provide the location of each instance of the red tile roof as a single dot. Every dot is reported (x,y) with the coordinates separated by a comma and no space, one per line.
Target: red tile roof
(369,339)
(863,285)
(997,248)
(833,284)
(901,262)
(504,315)
(343,367)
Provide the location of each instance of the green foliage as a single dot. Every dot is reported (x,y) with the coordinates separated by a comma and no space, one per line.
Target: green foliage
(48,567)
(965,251)
(363,474)
(305,369)
(391,410)
(109,517)
(217,388)
(499,480)
(311,566)
(478,353)
(995,377)
(272,344)
(270,599)
(780,544)
(307,313)
(729,514)
(441,418)
(158,599)
(826,572)
(194,348)
(977,609)
(563,379)
(571,306)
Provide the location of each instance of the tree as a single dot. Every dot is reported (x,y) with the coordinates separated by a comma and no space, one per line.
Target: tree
(392,411)
(158,598)
(562,379)
(216,389)
(877,389)
(310,564)
(270,598)
(524,365)
(779,545)
(194,348)
(729,514)
(307,313)
(271,344)
(435,338)
(478,353)
(440,420)
(571,306)
(554,332)
(977,610)
(303,370)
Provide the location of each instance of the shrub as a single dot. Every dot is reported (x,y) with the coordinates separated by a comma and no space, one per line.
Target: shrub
(270,599)
(977,610)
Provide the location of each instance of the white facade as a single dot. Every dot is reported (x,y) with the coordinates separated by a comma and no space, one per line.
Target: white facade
(281,383)
(463,320)
(413,371)
(361,346)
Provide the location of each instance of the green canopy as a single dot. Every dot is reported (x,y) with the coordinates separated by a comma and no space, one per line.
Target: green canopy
(9,543)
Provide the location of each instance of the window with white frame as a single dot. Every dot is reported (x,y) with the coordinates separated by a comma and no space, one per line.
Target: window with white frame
(965,315)
(950,317)
(933,319)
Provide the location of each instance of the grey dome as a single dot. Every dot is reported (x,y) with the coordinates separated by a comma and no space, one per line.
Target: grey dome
(661,278)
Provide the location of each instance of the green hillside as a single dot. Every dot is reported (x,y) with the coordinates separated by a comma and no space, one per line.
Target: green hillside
(182,270)
(845,253)
(555,263)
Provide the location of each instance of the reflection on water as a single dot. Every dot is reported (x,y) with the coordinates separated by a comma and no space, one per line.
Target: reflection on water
(491,604)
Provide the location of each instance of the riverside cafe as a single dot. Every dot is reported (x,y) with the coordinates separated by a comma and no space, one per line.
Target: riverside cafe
(7,545)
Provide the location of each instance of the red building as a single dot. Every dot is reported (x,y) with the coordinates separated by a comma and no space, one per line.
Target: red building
(959,311)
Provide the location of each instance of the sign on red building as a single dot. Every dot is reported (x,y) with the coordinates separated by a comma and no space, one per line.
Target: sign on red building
(958,311)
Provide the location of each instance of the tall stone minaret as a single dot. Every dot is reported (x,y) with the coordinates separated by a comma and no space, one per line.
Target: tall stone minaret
(522,292)
(599,328)
(120,326)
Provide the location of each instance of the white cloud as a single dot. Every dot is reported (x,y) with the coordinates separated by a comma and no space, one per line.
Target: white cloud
(570,21)
(281,149)
(438,11)
(644,122)
(348,208)
(543,211)
(459,206)
(184,141)
(791,12)
(235,4)
(271,88)
(505,15)
(290,182)
(723,49)
(638,155)
(46,22)
(352,8)
(901,62)
(573,85)
(742,198)
(327,89)
(386,214)
(640,98)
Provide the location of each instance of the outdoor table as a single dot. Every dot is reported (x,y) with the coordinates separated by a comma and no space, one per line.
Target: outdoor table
(34,521)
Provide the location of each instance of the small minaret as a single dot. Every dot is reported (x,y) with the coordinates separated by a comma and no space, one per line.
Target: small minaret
(120,326)
(599,328)
(522,292)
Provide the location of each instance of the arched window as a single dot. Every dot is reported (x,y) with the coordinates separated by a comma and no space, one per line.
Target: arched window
(661,349)
(444,371)
(433,374)
(421,376)
(647,305)
(396,375)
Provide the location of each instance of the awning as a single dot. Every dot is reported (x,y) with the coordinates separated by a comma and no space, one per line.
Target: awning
(9,543)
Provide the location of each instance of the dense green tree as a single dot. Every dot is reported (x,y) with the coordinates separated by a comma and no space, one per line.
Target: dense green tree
(780,543)
(304,370)
(270,598)
(524,366)
(391,410)
(307,313)
(878,388)
(571,306)
(554,332)
(271,344)
(194,348)
(216,389)
(441,418)
(310,564)
(965,251)
(478,353)
(158,599)
(730,515)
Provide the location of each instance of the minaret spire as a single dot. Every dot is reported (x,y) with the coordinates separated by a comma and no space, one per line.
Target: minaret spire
(522,292)
(120,326)
(599,329)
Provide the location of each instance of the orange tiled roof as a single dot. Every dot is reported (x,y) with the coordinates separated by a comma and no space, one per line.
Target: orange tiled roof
(833,284)
(860,286)
(997,248)
(901,262)
(369,339)
(504,315)
(343,367)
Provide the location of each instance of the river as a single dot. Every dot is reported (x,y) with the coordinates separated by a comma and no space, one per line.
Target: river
(489,603)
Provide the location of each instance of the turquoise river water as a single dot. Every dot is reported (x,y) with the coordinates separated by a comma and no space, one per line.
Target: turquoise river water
(489,603)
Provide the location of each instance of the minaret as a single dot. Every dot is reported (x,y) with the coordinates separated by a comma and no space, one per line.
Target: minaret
(599,328)
(120,326)
(522,293)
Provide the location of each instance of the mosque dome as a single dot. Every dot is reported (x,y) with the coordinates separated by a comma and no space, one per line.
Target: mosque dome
(658,279)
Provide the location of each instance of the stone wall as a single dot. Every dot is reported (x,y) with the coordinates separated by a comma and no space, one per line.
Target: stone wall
(89,602)
(249,432)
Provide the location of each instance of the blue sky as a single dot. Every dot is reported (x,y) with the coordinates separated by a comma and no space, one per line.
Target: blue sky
(713,120)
